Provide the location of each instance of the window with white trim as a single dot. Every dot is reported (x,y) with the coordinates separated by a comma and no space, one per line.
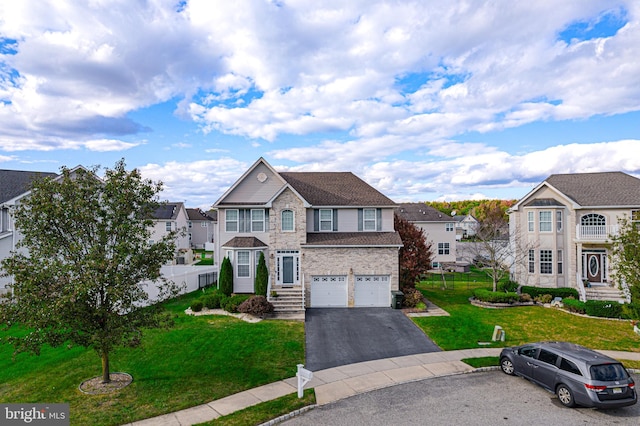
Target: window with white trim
(167,226)
(257,220)
(530,220)
(443,248)
(190,224)
(635,217)
(559,220)
(326,219)
(369,219)
(532,261)
(559,267)
(546,261)
(545,221)
(243,264)
(287,223)
(449,227)
(231,220)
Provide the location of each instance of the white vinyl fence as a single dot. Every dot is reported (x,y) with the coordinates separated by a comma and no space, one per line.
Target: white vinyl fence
(189,277)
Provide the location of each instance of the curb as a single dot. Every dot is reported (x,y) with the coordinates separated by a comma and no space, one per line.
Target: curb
(289,416)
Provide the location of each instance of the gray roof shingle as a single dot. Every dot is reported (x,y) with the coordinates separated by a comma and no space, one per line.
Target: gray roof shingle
(369,239)
(420,212)
(335,189)
(197,214)
(16,182)
(598,189)
(166,211)
(244,242)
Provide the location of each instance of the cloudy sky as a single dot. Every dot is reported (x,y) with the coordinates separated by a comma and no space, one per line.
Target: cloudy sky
(425,100)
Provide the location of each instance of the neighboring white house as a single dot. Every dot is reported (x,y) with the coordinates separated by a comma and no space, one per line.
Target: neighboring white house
(169,217)
(466,225)
(201,227)
(438,229)
(327,236)
(567,221)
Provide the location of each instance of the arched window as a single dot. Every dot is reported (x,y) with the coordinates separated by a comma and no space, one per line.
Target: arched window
(593,219)
(287,220)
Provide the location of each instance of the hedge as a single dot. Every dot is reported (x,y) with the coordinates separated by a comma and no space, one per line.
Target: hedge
(603,308)
(573,305)
(562,292)
(631,310)
(488,296)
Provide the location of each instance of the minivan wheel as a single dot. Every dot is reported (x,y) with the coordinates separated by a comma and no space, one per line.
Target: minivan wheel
(507,366)
(565,396)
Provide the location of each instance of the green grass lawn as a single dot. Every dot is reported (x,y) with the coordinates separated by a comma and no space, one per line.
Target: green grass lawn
(469,324)
(198,360)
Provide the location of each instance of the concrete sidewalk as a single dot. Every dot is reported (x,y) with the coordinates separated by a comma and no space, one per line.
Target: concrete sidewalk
(341,382)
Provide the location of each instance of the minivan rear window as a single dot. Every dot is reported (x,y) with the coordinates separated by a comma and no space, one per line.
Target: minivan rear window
(608,372)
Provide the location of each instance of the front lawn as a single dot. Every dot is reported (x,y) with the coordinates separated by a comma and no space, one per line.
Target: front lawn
(469,324)
(198,360)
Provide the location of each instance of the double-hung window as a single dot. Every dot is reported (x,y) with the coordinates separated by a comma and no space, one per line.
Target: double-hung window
(167,226)
(443,248)
(530,219)
(559,263)
(559,220)
(449,227)
(243,264)
(231,220)
(532,261)
(326,219)
(257,220)
(287,220)
(369,219)
(546,261)
(545,221)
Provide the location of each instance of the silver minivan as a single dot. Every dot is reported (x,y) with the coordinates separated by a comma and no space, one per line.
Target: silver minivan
(577,375)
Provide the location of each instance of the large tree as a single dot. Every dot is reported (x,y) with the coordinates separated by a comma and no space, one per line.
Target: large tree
(84,252)
(415,253)
(625,255)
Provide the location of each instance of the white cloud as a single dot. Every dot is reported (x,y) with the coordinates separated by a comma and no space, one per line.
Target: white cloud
(104,145)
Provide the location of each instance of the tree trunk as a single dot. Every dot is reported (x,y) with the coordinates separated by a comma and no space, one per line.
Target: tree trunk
(106,377)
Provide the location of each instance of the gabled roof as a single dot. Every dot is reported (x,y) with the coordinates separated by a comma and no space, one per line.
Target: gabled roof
(598,189)
(16,182)
(368,239)
(167,211)
(197,214)
(335,189)
(420,212)
(244,242)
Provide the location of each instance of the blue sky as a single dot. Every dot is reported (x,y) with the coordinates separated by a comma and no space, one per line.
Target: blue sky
(428,101)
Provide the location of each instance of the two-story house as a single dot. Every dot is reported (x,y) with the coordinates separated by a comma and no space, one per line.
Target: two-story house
(201,227)
(328,235)
(172,216)
(438,229)
(14,185)
(564,224)
(466,225)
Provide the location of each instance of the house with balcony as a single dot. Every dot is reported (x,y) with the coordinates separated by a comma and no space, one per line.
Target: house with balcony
(565,224)
(201,227)
(437,227)
(328,237)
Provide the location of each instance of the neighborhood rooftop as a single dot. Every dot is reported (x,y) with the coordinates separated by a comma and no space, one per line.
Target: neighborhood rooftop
(598,189)
(17,182)
(420,212)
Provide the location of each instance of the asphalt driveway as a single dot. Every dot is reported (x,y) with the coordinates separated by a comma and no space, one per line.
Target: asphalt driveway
(338,336)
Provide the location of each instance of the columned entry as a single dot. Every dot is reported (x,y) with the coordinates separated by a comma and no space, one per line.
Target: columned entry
(287,268)
(594,266)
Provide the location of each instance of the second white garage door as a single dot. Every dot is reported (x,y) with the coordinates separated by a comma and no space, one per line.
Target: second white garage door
(328,291)
(372,290)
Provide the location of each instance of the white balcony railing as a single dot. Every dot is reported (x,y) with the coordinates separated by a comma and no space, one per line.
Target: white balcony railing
(595,232)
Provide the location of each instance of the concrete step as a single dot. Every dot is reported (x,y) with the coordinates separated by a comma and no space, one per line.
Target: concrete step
(604,293)
(288,301)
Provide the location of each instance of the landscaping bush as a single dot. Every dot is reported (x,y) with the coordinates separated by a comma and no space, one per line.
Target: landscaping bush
(226,277)
(603,308)
(488,296)
(213,299)
(631,311)
(543,298)
(562,292)
(508,286)
(262,277)
(256,305)
(573,305)
(197,306)
(230,304)
(525,298)
(412,297)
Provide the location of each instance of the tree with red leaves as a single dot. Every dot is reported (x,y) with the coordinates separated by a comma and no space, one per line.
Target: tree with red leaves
(415,254)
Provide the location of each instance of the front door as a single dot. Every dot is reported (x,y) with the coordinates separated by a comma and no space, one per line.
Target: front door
(594,265)
(288,267)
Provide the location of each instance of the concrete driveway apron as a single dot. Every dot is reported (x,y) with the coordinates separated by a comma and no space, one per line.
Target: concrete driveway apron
(339,336)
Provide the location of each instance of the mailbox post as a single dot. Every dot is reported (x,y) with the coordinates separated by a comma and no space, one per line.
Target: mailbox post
(304,376)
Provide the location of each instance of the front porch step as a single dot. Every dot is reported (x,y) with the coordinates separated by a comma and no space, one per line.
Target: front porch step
(604,293)
(289,300)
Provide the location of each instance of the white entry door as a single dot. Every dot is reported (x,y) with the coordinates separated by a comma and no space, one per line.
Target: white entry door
(372,290)
(287,267)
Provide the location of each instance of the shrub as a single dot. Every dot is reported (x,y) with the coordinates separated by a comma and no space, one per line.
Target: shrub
(196,306)
(230,304)
(508,286)
(631,311)
(213,299)
(262,277)
(525,298)
(562,292)
(543,298)
(603,308)
(573,305)
(495,297)
(412,297)
(256,305)
(226,277)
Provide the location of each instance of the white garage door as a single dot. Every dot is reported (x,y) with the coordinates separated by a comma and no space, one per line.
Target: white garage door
(372,290)
(328,291)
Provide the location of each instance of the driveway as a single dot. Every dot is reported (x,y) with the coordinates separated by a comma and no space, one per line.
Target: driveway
(337,336)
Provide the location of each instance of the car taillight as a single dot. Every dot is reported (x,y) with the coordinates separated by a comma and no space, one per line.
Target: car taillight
(632,385)
(595,388)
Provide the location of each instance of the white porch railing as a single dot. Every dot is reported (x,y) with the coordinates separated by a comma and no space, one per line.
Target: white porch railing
(269,288)
(580,286)
(595,232)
